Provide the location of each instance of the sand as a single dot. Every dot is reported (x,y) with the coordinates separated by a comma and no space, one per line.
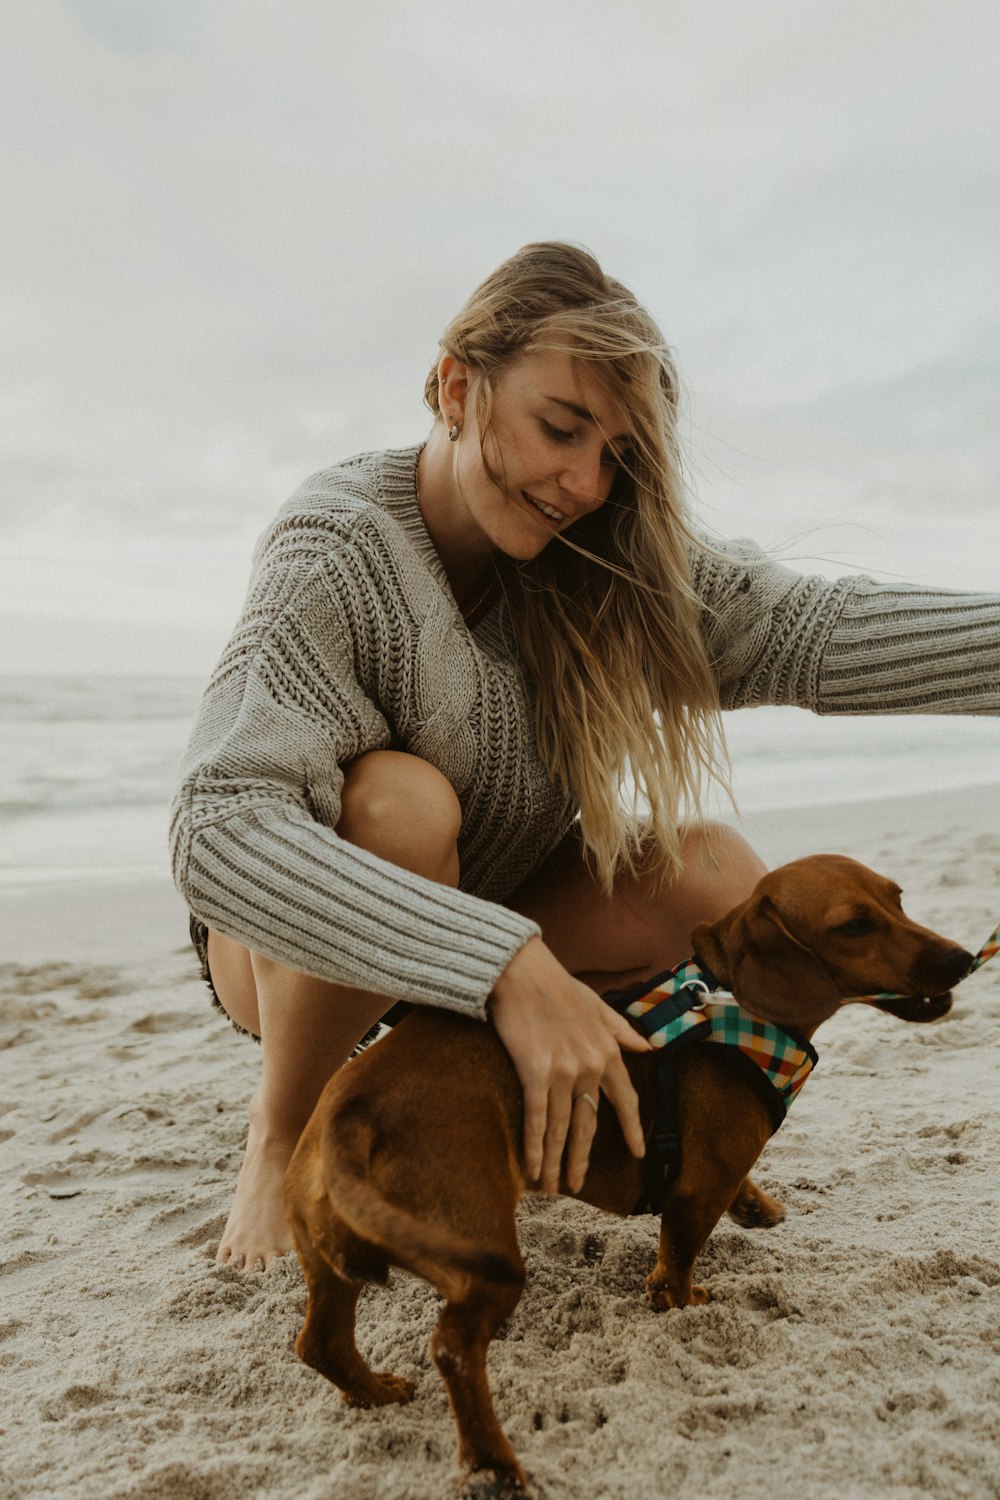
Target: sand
(852,1351)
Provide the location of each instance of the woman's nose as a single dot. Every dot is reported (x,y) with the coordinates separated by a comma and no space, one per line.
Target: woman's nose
(584,478)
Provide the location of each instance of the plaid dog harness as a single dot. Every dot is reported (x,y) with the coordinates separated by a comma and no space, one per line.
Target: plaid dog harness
(677,1009)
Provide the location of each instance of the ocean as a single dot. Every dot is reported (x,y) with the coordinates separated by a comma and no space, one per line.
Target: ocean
(88,764)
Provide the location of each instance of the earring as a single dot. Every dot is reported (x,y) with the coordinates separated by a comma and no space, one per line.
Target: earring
(453,431)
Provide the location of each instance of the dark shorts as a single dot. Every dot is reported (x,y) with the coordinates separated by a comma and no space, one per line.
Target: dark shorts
(199,940)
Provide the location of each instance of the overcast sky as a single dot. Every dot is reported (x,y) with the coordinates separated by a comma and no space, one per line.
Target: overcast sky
(233,232)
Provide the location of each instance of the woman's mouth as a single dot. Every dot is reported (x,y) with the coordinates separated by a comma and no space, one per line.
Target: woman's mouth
(547,513)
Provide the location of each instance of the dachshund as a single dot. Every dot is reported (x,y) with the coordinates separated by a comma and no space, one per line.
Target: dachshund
(412,1157)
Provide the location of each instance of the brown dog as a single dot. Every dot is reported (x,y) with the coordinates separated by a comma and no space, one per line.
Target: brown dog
(412,1157)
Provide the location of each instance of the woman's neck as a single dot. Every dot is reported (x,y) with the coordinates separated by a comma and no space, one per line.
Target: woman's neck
(468,559)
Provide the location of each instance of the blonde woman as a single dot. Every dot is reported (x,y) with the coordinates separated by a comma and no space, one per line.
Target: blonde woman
(407,780)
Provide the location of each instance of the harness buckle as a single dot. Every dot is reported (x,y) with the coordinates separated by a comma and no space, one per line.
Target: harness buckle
(703,991)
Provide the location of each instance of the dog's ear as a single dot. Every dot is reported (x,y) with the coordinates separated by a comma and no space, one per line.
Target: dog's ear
(711,943)
(769,971)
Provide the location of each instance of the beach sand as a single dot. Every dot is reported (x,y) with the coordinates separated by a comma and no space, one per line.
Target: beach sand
(854,1350)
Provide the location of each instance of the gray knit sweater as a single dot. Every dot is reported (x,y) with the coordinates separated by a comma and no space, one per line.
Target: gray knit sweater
(351,640)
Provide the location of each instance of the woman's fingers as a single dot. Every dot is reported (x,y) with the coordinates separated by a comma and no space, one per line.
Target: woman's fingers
(564,1043)
(623,1033)
(618,1087)
(536,1114)
(559,1116)
(583,1127)
(572,1123)
(571,1119)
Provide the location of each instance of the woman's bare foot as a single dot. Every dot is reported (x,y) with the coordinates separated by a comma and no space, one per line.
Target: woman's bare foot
(256,1231)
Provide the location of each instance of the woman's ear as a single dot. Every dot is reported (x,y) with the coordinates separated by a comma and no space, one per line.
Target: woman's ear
(453,388)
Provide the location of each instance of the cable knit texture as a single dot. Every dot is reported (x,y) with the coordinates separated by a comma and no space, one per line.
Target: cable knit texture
(351,640)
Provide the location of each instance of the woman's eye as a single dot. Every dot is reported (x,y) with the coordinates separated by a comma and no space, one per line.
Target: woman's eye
(558,433)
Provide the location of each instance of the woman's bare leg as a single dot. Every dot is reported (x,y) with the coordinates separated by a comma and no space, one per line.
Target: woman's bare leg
(396,806)
(639,929)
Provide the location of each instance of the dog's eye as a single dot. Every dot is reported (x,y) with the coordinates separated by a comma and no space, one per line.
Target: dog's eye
(856,927)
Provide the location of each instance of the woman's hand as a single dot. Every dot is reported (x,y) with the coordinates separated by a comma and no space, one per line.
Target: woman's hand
(565,1043)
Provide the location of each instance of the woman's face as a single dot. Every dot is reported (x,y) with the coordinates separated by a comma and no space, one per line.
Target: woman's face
(555,440)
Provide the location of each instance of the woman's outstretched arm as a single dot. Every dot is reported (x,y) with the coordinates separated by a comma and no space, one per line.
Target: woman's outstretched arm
(853,645)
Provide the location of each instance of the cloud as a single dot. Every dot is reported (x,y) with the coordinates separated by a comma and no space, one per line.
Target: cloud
(132,29)
(235,231)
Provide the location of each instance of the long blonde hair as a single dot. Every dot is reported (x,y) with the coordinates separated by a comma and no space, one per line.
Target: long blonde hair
(626,707)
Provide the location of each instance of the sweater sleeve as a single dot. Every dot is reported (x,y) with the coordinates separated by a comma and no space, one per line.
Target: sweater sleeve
(848,646)
(254,850)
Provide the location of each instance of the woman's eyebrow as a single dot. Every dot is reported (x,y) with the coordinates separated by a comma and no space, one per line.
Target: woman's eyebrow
(586,416)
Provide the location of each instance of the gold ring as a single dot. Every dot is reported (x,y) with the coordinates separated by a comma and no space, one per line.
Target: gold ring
(590,1100)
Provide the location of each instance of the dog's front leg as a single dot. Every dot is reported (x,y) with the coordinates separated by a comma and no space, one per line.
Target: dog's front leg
(689,1216)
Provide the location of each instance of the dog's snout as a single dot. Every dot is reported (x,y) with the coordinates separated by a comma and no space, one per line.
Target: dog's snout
(938,969)
(952,966)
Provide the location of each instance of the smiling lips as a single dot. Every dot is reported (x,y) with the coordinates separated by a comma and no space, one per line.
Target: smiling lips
(548,513)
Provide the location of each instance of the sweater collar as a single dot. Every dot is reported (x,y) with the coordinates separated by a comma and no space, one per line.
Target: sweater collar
(397,477)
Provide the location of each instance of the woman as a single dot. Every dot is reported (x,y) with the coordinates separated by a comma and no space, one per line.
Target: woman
(405,779)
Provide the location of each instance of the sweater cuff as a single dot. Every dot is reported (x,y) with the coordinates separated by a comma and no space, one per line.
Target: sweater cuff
(289,888)
(901,648)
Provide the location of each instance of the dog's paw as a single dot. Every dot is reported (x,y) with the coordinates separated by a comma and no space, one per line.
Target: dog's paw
(495,1484)
(754,1209)
(396,1388)
(661,1299)
(382,1389)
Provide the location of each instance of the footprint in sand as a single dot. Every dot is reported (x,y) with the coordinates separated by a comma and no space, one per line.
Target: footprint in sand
(90,983)
(61,1182)
(160,1021)
(187,1225)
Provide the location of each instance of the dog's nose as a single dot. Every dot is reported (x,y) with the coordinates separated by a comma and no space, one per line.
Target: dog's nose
(952,966)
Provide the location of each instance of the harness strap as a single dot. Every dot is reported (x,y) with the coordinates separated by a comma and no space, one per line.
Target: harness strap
(780,1057)
(663,1155)
(638,999)
(676,1009)
(669,1011)
(672,1021)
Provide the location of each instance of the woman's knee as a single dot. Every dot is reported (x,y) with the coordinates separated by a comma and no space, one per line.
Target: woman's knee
(719,869)
(403,809)
(643,925)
